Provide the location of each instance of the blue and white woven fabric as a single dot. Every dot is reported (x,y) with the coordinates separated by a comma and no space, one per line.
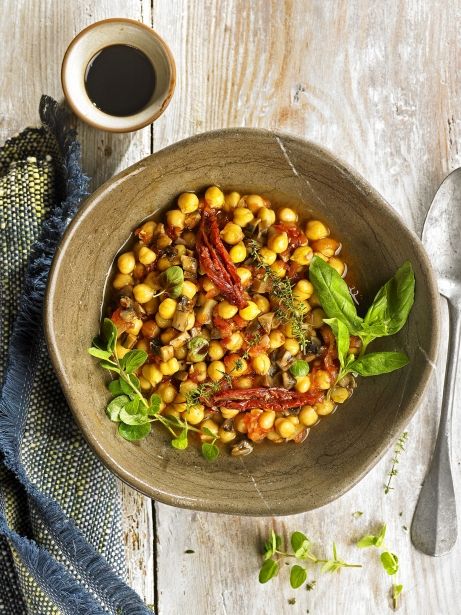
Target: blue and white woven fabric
(61,547)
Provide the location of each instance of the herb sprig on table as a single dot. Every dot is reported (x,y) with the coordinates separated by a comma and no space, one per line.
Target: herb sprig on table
(301,550)
(386,316)
(129,408)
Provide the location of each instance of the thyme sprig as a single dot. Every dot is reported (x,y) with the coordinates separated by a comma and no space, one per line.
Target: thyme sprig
(398,450)
(290,310)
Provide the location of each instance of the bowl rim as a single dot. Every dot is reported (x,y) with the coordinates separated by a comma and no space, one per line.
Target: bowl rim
(171,86)
(201,503)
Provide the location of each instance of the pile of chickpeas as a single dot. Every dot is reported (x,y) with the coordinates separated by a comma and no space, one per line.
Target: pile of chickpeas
(149,320)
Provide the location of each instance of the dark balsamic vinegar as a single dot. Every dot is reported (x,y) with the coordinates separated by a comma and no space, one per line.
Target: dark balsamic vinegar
(120,80)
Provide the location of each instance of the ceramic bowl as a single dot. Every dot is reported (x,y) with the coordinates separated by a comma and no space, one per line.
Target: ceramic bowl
(273,480)
(117,31)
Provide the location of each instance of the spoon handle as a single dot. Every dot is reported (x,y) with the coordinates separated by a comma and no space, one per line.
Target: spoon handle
(434,526)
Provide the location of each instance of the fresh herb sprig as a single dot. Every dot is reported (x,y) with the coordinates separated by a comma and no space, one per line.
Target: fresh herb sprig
(386,316)
(274,554)
(129,408)
(388,559)
(398,450)
(290,310)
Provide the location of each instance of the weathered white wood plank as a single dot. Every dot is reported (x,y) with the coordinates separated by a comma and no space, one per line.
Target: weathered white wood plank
(35,36)
(379,84)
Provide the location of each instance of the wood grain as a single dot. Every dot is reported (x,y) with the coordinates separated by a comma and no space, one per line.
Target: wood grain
(377,83)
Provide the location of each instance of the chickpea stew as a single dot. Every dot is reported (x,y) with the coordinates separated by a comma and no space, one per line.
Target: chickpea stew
(231,322)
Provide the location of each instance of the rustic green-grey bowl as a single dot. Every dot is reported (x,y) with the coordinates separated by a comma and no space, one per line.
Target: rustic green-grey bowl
(274,480)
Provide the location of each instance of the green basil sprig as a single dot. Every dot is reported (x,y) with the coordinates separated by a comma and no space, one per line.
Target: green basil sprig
(386,316)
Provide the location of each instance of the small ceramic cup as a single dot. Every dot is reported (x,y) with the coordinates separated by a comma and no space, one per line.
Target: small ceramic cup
(88,43)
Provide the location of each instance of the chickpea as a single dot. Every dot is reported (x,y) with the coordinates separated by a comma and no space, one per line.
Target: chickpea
(316,230)
(308,416)
(324,407)
(227,310)
(180,353)
(240,423)
(194,414)
(231,200)
(238,253)
(187,387)
(144,384)
(302,255)
(250,311)
(216,370)
(151,306)
(326,246)
(321,379)
(188,202)
(142,293)
(278,243)
(244,382)
(163,263)
(146,232)
(167,392)
(232,233)
(210,426)
(242,216)
(226,436)
(267,256)
(170,367)
(338,265)
(215,351)
(303,384)
(262,302)
(287,330)
(284,428)
(146,256)
(235,342)
(139,271)
(279,269)
(266,420)
(228,413)
(120,351)
(163,323)
(314,300)
(292,346)
(276,339)
(254,202)
(273,436)
(235,365)
(261,364)
(167,308)
(168,335)
(121,280)
(135,327)
(316,317)
(245,275)
(171,411)
(214,197)
(293,419)
(322,256)
(152,280)
(152,374)
(287,215)
(142,345)
(189,289)
(199,371)
(189,239)
(304,288)
(208,285)
(163,242)
(267,217)
(339,395)
(126,262)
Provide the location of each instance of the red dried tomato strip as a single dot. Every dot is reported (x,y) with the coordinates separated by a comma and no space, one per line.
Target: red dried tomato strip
(215,260)
(277,399)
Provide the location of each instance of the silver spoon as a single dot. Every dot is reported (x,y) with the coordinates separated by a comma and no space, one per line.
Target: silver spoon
(434,527)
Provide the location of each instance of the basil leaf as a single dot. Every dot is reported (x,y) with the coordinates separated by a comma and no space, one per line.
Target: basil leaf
(173,280)
(154,404)
(198,348)
(115,387)
(341,334)
(396,591)
(334,294)
(98,353)
(366,541)
(375,363)
(134,432)
(392,304)
(115,406)
(300,545)
(272,544)
(390,562)
(126,388)
(181,442)
(268,570)
(208,432)
(133,360)
(299,369)
(298,575)
(134,413)
(109,334)
(380,536)
(210,451)
(109,366)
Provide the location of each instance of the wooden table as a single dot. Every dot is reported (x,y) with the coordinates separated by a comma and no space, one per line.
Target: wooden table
(379,83)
